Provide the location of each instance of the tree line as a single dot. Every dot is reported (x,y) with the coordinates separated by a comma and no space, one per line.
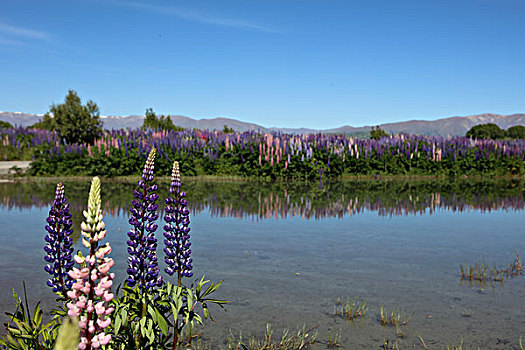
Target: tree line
(494,132)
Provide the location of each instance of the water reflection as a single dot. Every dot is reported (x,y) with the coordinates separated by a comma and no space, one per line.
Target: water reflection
(259,201)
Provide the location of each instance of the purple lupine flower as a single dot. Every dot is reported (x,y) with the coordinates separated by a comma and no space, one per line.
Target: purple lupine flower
(143,266)
(177,230)
(59,243)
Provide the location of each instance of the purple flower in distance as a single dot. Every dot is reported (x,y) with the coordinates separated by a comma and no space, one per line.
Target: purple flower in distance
(59,243)
(177,230)
(143,266)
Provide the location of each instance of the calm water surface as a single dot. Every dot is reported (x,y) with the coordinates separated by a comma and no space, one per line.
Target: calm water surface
(286,252)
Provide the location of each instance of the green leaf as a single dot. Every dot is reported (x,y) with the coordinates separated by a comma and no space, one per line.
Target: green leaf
(118,323)
(212,288)
(150,332)
(205,311)
(163,303)
(23,326)
(176,292)
(151,312)
(162,322)
(142,325)
(37,315)
(124,315)
(198,288)
(175,310)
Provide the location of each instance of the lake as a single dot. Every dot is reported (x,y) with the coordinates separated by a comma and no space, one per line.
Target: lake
(287,251)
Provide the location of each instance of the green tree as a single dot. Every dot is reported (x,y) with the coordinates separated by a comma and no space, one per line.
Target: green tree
(5,125)
(376,133)
(153,122)
(486,131)
(516,132)
(74,122)
(150,120)
(227,130)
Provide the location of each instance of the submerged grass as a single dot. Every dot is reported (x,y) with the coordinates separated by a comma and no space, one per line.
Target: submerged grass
(351,309)
(333,339)
(304,340)
(386,344)
(481,273)
(301,339)
(395,319)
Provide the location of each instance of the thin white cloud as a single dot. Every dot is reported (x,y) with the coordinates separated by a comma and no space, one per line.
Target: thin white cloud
(22,33)
(196,16)
(10,42)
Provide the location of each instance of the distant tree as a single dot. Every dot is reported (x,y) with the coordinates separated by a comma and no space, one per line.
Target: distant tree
(46,123)
(486,131)
(227,130)
(516,132)
(73,121)
(150,120)
(5,125)
(153,122)
(376,133)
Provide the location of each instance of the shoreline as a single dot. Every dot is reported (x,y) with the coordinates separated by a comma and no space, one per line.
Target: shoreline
(5,177)
(13,171)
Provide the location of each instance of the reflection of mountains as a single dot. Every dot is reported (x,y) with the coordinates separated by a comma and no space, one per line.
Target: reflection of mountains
(287,199)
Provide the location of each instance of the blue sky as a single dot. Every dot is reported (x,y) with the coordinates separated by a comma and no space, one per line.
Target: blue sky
(287,63)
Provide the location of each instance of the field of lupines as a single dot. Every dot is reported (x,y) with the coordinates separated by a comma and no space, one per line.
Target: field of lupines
(269,155)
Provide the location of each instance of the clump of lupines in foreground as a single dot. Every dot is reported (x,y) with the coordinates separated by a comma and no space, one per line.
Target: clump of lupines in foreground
(149,313)
(153,312)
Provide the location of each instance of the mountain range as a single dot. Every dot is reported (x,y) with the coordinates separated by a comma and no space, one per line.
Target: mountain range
(453,126)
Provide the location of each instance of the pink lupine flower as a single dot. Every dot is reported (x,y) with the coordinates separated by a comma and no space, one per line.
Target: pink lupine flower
(91,290)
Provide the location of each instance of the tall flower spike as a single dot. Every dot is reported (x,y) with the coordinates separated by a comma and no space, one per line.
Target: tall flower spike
(59,243)
(143,266)
(177,230)
(91,292)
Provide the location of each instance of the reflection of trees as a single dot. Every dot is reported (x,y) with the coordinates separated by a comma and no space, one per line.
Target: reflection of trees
(288,199)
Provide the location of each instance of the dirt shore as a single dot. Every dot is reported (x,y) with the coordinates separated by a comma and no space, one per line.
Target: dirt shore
(6,167)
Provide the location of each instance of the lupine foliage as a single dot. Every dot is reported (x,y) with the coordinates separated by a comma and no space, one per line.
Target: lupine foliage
(26,330)
(270,155)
